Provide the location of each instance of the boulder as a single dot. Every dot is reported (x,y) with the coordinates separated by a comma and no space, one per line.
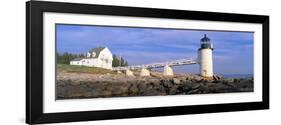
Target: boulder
(168,71)
(129,73)
(142,86)
(196,86)
(174,90)
(144,72)
(161,89)
(166,83)
(197,78)
(133,89)
(176,81)
(216,77)
(236,80)
(184,89)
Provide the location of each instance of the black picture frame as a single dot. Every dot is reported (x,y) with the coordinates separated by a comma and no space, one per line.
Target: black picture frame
(34,61)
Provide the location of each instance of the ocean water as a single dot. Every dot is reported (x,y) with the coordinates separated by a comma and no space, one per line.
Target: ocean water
(194,69)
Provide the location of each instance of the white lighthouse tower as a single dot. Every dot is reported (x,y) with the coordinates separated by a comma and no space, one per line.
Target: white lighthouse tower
(205,57)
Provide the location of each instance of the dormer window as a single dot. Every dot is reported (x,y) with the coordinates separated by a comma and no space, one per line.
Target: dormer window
(93,54)
(88,55)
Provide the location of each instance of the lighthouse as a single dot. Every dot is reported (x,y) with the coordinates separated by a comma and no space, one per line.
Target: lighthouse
(205,57)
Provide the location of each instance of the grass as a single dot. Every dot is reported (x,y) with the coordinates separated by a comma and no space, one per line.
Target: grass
(83,69)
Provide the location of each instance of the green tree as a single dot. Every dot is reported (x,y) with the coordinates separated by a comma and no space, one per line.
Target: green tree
(126,63)
(119,61)
(65,58)
(115,62)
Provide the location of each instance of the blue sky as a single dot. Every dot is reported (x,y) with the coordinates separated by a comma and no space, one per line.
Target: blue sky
(233,51)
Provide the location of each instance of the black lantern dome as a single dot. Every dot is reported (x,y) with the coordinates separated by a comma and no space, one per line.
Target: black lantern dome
(205,39)
(206,43)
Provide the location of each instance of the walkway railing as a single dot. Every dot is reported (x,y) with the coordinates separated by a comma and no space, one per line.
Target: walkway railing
(159,65)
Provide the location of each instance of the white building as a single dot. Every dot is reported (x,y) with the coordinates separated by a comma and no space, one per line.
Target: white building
(97,57)
(205,57)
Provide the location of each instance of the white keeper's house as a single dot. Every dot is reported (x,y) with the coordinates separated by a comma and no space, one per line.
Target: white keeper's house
(97,57)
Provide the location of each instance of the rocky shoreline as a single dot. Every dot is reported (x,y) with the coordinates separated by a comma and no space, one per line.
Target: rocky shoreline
(83,85)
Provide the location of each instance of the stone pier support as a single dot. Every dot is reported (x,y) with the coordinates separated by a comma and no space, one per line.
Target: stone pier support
(129,73)
(168,71)
(144,72)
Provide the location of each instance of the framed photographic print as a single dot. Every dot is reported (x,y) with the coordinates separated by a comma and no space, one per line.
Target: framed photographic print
(95,62)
